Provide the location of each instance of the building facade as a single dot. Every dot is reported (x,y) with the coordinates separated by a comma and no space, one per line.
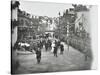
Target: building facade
(14,21)
(82,22)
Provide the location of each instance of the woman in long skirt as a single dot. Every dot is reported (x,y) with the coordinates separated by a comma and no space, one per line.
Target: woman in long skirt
(53,45)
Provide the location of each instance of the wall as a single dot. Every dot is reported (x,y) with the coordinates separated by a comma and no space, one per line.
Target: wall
(86,20)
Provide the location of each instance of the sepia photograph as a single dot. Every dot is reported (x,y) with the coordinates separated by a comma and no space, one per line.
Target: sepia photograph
(50,37)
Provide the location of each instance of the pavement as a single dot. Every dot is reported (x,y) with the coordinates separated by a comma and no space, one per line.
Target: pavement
(71,60)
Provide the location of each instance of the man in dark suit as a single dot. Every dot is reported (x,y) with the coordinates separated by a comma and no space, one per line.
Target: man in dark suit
(61,48)
(55,51)
(38,55)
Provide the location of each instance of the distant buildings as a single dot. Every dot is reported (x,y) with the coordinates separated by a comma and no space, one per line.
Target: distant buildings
(24,19)
(82,22)
(31,25)
(51,26)
(75,21)
(26,28)
(66,24)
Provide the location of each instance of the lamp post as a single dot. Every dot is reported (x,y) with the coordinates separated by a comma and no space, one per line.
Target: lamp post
(68,35)
(59,26)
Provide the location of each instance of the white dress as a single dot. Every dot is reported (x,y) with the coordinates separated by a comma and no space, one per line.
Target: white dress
(53,45)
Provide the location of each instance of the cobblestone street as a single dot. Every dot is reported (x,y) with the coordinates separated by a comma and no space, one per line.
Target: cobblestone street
(70,60)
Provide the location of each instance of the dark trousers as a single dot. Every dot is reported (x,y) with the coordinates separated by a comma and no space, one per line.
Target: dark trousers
(61,52)
(38,60)
(46,48)
(55,54)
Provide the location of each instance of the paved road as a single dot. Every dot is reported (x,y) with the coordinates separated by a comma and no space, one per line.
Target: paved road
(70,60)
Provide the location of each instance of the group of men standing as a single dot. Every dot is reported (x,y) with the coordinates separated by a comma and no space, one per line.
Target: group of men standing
(58,46)
(42,43)
(49,45)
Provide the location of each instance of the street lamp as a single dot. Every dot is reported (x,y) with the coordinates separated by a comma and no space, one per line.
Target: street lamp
(68,35)
(59,26)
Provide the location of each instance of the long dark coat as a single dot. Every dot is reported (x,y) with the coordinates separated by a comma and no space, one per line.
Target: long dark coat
(61,47)
(55,50)
(38,54)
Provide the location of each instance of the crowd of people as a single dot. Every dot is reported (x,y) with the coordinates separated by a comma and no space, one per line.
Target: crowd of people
(49,45)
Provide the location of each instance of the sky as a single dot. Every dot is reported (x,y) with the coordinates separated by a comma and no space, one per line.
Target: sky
(43,8)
